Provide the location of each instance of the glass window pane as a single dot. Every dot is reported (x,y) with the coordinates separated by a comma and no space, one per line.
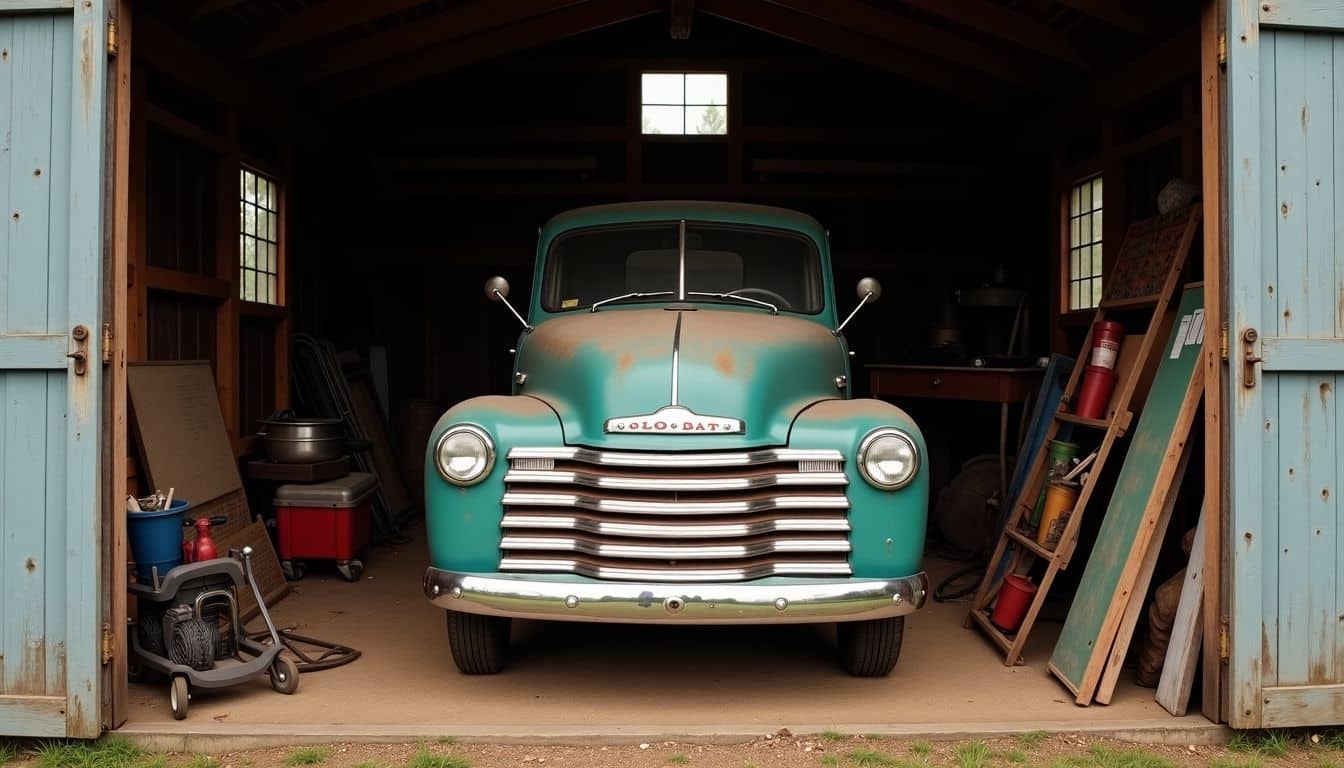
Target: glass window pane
(242,283)
(662,88)
(1073,232)
(707,121)
(1096,193)
(1075,200)
(1086,203)
(1073,296)
(272,227)
(707,89)
(250,253)
(662,120)
(1073,264)
(1096,292)
(273,259)
(1096,223)
(1097,266)
(271,295)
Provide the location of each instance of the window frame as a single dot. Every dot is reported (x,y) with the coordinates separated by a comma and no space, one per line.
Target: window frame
(277,305)
(548,293)
(1066,249)
(675,137)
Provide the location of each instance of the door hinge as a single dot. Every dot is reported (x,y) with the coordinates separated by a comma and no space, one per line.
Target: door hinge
(1222,49)
(107,343)
(112,37)
(1223,645)
(1222,342)
(107,644)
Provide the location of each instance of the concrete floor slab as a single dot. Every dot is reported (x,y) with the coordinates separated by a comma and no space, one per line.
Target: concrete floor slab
(587,681)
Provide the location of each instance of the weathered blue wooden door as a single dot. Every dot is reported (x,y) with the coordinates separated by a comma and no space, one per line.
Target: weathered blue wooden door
(53,63)
(1285,208)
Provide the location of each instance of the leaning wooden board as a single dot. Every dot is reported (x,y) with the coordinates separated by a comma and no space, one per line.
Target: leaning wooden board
(1141,491)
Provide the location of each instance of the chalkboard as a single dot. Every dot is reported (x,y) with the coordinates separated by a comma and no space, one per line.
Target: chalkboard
(1146,255)
(1145,480)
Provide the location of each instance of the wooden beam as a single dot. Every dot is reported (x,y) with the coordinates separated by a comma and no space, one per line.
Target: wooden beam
(529,33)
(414,163)
(915,35)
(679,16)
(174,281)
(1118,15)
(315,22)
(457,23)
(1005,24)
(885,191)
(803,29)
(206,8)
(843,167)
(1212,112)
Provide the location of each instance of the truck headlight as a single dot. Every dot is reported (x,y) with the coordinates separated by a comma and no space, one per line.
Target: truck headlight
(464,454)
(888,458)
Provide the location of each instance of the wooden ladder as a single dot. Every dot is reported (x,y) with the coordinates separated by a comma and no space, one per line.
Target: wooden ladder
(1146,275)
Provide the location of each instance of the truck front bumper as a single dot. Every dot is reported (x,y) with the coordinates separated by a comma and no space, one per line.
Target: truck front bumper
(765,601)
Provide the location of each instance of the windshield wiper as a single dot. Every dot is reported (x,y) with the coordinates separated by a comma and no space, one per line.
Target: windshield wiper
(625,296)
(773,309)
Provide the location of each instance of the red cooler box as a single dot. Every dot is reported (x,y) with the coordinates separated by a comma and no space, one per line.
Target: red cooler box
(325,521)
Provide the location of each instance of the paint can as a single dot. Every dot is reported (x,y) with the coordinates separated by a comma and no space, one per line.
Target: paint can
(1059,458)
(1014,596)
(1059,502)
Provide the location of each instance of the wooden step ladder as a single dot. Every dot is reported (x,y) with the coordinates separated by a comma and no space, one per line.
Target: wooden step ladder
(1146,275)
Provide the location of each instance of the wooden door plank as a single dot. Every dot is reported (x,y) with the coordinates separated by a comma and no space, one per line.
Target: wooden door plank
(1142,487)
(1115,661)
(1178,666)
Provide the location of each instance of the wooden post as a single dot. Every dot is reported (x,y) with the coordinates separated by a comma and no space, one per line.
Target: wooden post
(226,269)
(116,317)
(1212,104)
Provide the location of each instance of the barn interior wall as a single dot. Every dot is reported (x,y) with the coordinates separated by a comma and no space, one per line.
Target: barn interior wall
(401,204)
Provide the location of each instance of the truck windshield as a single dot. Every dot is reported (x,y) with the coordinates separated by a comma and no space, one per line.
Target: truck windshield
(753,266)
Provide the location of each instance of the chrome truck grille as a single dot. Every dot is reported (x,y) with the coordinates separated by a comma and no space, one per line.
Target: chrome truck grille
(667,517)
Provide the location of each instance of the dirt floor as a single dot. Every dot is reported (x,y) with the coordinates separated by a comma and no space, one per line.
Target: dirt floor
(682,680)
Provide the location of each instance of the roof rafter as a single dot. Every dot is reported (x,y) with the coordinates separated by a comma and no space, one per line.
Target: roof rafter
(679,17)
(917,36)
(530,32)
(314,22)
(1004,24)
(842,43)
(457,23)
(1119,15)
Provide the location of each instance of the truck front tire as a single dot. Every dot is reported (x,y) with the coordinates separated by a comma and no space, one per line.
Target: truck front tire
(479,644)
(870,648)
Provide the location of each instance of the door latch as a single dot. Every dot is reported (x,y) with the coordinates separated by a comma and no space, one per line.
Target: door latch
(1248,357)
(80,335)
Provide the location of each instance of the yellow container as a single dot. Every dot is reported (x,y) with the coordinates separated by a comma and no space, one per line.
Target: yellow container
(1059,501)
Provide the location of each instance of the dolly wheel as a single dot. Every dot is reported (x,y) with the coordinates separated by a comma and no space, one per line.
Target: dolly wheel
(870,648)
(284,675)
(351,570)
(179,697)
(479,644)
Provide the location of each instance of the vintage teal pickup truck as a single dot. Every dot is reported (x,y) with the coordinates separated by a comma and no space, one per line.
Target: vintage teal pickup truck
(680,446)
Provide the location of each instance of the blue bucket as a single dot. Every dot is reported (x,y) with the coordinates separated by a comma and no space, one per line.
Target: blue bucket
(156,540)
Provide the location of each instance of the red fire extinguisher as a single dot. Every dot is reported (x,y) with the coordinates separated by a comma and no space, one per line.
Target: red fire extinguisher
(1099,378)
(203,548)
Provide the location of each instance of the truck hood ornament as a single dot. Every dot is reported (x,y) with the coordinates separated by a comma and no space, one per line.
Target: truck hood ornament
(675,420)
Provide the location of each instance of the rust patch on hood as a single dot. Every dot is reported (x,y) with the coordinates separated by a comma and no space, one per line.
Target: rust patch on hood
(723,362)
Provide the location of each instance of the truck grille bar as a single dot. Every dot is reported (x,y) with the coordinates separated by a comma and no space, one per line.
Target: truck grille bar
(666,517)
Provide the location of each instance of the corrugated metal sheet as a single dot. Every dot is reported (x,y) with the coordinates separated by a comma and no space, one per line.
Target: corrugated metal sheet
(52,64)
(1286,109)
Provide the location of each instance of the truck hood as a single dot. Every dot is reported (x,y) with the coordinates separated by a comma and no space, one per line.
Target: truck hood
(745,365)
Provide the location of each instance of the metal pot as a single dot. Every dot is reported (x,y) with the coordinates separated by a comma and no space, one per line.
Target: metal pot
(302,441)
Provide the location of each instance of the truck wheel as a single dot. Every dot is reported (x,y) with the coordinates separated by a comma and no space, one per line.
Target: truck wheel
(480,644)
(870,648)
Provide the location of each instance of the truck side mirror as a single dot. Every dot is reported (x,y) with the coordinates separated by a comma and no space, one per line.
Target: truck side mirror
(869,290)
(497,289)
